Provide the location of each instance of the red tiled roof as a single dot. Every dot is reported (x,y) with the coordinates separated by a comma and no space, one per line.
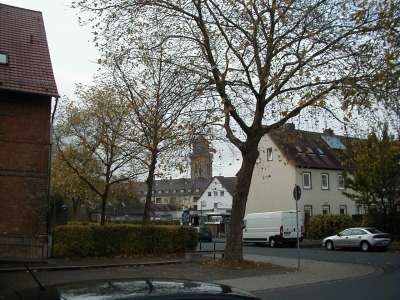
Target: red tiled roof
(23,37)
(311,149)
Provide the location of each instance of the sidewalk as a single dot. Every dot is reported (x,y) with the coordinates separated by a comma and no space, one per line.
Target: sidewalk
(310,272)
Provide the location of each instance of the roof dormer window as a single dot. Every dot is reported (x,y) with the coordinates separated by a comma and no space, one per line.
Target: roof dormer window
(3,58)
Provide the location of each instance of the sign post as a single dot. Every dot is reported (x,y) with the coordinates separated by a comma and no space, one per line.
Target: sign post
(296,196)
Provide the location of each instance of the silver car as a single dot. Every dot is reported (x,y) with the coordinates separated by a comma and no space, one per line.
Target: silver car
(360,237)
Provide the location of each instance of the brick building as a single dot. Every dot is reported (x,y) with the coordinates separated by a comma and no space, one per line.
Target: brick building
(27,88)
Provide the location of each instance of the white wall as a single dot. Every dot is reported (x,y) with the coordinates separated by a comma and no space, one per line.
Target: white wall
(215,188)
(317,197)
(272,183)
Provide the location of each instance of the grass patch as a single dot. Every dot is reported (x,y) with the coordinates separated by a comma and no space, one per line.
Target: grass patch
(236,265)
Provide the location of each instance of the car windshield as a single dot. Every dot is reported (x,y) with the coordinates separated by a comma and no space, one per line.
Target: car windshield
(373,230)
(204,230)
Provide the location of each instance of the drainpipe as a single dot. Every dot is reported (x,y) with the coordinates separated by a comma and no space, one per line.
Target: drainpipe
(49,237)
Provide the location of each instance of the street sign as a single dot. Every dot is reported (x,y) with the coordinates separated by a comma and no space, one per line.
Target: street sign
(296,192)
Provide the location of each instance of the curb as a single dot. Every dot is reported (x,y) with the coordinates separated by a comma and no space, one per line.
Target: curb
(59,268)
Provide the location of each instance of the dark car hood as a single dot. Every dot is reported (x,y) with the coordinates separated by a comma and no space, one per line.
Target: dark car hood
(133,289)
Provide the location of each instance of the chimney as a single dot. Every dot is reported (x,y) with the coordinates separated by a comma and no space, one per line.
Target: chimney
(328,132)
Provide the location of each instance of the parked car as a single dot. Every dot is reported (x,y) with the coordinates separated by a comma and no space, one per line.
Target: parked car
(204,234)
(131,289)
(360,237)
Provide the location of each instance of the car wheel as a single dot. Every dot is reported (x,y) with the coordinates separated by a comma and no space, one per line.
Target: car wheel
(272,243)
(365,246)
(329,245)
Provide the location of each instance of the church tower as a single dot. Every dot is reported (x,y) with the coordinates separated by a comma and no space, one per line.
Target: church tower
(201,159)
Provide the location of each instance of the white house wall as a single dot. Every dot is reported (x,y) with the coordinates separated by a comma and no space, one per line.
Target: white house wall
(212,195)
(273,181)
(316,197)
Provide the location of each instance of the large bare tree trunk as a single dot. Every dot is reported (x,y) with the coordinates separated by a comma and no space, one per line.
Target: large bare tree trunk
(233,249)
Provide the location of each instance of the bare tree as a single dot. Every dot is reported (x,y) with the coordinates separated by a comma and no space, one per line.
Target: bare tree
(266,60)
(89,137)
(161,104)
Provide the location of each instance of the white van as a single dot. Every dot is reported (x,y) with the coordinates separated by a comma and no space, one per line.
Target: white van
(272,228)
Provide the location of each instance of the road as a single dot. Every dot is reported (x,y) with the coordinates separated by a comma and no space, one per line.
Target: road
(384,284)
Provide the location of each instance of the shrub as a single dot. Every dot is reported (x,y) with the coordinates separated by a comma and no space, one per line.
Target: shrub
(389,223)
(321,226)
(117,240)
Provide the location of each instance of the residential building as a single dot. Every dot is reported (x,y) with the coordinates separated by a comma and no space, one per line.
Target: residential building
(314,161)
(218,195)
(183,194)
(27,88)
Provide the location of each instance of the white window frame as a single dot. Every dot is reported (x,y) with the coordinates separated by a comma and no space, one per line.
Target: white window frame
(344,208)
(340,182)
(327,209)
(209,194)
(324,182)
(308,208)
(222,193)
(308,186)
(269,154)
(215,193)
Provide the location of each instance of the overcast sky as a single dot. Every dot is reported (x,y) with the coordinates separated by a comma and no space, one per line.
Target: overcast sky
(72,53)
(74,57)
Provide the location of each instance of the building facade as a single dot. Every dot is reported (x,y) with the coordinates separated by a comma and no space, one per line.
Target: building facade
(27,87)
(314,161)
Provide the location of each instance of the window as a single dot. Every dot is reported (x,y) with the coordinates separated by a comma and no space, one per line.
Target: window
(269,154)
(343,209)
(308,211)
(215,194)
(209,194)
(182,191)
(359,210)
(307,180)
(222,193)
(174,191)
(197,190)
(160,191)
(158,200)
(3,58)
(325,209)
(189,190)
(166,200)
(346,232)
(341,182)
(325,181)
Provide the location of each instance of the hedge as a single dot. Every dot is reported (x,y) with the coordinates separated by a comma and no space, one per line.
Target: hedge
(389,223)
(118,240)
(321,226)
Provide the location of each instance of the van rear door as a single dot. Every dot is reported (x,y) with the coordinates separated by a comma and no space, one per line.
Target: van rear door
(289,224)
